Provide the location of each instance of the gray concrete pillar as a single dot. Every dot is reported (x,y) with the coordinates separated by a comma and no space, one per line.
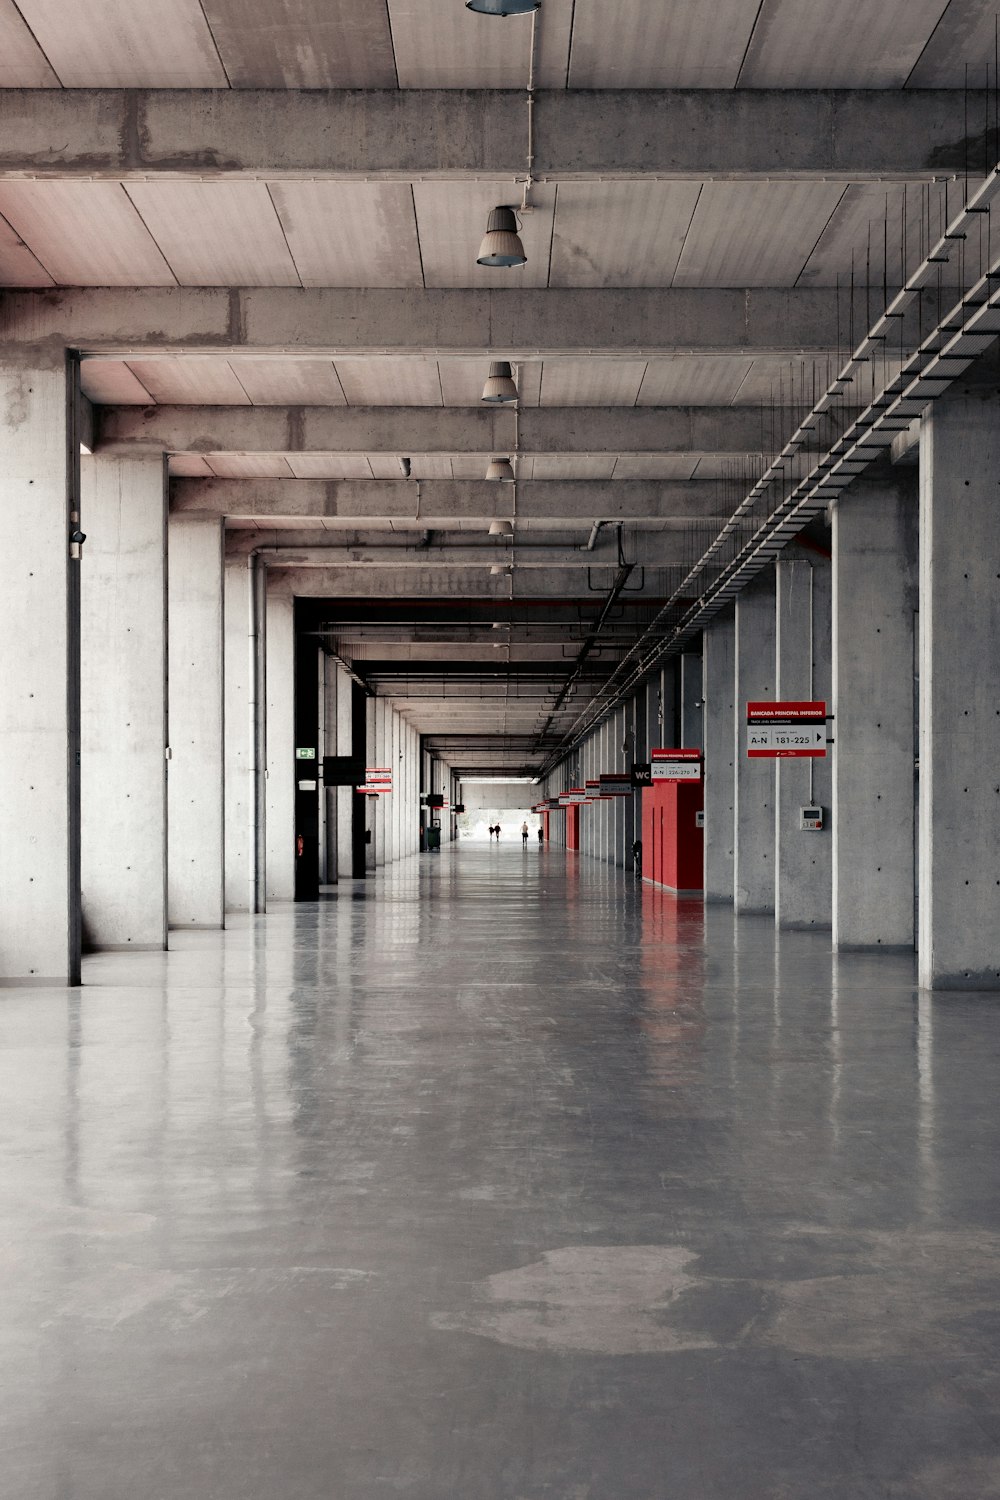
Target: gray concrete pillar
(720,734)
(959,820)
(195,812)
(803,880)
(123,693)
(873,704)
(692,700)
(279,816)
(237,732)
(753,813)
(40,700)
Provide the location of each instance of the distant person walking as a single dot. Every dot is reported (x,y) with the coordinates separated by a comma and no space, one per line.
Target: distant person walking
(524,835)
(541,835)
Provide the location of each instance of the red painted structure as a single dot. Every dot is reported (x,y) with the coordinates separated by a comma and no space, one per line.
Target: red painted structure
(573,826)
(673,846)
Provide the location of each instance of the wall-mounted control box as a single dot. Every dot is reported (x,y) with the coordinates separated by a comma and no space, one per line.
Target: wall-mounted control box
(810,819)
(699,819)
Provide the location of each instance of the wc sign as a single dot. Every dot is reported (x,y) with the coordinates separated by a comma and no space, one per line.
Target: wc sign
(790,729)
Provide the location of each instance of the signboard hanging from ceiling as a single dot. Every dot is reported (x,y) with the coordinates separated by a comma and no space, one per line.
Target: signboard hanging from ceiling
(786,729)
(675,765)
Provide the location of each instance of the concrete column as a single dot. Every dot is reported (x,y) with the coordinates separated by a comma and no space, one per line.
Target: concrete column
(40,701)
(371,759)
(345,795)
(279,820)
(124,703)
(873,703)
(692,699)
(803,888)
(959,820)
(720,733)
(237,730)
(753,813)
(195,824)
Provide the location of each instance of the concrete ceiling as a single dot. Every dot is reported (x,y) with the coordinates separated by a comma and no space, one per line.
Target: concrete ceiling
(420,44)
(744,193)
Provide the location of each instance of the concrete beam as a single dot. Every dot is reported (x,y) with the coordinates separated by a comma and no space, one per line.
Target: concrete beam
(442,501)
(466,585)
(330,322)
(584,431)
(470,135)
(309,550)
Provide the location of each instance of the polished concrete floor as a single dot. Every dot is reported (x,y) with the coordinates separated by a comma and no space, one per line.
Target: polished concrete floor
(499,1177)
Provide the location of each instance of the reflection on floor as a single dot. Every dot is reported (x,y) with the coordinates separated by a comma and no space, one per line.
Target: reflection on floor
(500,1177)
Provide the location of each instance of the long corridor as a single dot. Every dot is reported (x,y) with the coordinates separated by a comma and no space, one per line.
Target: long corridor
(499,1177)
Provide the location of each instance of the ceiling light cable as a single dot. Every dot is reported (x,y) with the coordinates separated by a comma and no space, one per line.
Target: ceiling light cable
(529,178)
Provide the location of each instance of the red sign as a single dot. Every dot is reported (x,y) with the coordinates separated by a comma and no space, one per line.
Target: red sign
(675,765)
(792,729)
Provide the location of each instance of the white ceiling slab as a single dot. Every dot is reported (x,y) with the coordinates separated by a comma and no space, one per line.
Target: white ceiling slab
(654,466)
(466,466)
(121,44)
(755,233)
(692,380)
(591,382)
(289,382)
(460,49)
(863,211)
(190,382)
(390,381)
(573,466)
(462,381)
(451,219)
(740,473)
(188,466)
(249,466)
(673,44)
(328,466)
(434,466)
(22,61)
(965,36)
(303,44)
(18,267)
(110,382)
(217,233)
(84,233)
(780,381)
(841,44)
(620,233)
(350,233)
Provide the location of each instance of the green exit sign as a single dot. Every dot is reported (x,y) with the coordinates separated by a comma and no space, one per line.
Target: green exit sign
(304,753)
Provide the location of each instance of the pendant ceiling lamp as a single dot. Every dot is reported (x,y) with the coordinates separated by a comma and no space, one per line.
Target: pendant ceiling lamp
(501,243)
(500,389)
(501,528)
(500,469)
(502,7)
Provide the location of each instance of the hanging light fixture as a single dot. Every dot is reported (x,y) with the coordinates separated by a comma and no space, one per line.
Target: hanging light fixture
(500,469)
(502,7)
(501,243)
(500,388)
(501,568)
(501,528)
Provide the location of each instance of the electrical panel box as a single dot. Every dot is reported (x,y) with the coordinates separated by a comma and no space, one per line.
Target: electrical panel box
(699,819)
(811,819)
